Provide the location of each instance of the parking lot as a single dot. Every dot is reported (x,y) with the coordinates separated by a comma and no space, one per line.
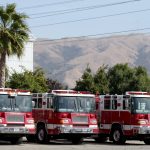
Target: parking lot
(88,144)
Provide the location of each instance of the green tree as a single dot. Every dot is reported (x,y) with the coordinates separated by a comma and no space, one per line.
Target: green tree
(141,80)
(13,35)
(86,83)
(55,85)
(120,77)
(101,84)
(123,78)
(115,80)
(34,81)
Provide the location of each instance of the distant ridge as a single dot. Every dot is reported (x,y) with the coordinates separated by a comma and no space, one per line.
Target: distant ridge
(66,59)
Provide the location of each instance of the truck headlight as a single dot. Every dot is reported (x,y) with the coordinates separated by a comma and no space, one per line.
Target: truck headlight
(30,121)
(1,120)
(142,122)
(93,121)
(63,121)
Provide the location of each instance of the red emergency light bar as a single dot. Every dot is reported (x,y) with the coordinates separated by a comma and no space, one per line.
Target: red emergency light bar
(5,89)
(22,91)
(84,92)
(137,93)
(70,92)
(64,91)
(13,90)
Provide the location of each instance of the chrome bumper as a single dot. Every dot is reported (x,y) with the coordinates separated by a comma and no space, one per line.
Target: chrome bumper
(69,129)
(13,130)
(144,130)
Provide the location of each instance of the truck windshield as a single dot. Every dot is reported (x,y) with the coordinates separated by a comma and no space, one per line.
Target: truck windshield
(19,103)
(75,104)
(141,105)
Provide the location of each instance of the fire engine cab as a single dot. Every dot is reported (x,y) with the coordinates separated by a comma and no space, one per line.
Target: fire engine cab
(64,114)
(123,117)
(16,118)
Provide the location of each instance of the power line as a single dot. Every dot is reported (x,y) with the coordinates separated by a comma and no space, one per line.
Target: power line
(91,35)
(66,11)
(92,18)
(51,4)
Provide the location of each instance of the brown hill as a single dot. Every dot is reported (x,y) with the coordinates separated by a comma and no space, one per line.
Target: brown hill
(66,59)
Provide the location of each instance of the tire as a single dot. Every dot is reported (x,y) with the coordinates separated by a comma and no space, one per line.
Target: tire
(16,140)
(101,139)
(117,136)
(147,141)
(41,135)
(77,140)
(30,138)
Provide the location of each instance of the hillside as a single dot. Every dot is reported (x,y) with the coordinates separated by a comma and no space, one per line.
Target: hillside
(67,58)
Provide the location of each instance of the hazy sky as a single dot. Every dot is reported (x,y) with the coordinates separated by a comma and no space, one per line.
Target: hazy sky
(56,19)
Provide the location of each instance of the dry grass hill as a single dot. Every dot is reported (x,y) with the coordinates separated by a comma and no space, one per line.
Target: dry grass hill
(66,59)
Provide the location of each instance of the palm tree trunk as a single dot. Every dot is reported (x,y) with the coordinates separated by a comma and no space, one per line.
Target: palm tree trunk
(2,69)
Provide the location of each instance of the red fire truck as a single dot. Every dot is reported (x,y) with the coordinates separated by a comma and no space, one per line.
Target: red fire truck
(16,118)
(124,117)
(64,114)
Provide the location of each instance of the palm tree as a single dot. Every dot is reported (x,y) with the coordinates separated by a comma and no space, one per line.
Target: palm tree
(14,32)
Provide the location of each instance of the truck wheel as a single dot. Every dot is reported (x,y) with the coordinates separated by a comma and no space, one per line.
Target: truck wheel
(30,138)
(100,139)
(117,136)
(77,140)
(41,135)
(147,141)
(16,140)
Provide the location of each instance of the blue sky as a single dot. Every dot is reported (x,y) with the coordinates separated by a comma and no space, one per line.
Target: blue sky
(111,24)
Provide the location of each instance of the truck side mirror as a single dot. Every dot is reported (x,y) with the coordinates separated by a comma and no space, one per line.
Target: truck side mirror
(33,104)
(127,104)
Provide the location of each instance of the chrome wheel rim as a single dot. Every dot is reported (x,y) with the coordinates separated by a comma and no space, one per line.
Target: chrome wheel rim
(116,135)
(41,135)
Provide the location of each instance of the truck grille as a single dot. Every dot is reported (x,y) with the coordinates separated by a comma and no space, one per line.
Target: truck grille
(81,119)
(15,118)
